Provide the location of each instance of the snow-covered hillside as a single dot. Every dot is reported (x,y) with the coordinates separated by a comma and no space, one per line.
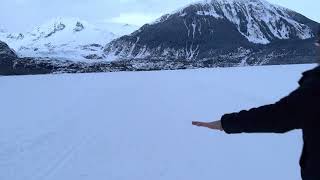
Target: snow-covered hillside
(121,126)
(66,38)
(214,30)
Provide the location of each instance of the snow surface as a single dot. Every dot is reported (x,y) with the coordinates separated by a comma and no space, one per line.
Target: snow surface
(137,125)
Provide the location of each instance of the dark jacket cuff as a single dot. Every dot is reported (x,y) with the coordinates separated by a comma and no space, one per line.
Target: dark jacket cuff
(230,124)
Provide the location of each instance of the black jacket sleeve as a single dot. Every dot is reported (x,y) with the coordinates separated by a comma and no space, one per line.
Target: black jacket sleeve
(286,115)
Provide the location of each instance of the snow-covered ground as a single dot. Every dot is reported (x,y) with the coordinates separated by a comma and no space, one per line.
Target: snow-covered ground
(137,126)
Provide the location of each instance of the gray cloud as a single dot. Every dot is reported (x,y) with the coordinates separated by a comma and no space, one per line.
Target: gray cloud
(20,15)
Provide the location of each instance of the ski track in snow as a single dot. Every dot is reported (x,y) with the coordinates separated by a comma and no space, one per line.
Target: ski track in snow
(137,125)
(62,160)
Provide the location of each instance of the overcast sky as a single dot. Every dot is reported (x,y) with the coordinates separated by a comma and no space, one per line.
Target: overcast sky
(22,15)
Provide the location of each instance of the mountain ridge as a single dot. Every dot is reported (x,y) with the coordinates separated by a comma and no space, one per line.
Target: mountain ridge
(66,38)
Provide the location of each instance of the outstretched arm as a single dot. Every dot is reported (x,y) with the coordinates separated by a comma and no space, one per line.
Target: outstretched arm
(283,116)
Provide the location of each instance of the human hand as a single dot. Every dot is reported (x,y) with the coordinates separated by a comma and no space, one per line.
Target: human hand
(216,125)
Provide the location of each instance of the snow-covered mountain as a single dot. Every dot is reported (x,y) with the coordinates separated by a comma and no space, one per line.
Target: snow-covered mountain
(66,38)
(224,32)
(257,20)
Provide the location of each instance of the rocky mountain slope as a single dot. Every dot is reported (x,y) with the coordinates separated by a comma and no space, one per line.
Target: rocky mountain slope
(222,33)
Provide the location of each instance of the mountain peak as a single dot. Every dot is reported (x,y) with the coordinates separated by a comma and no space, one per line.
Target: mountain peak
(258,20)
(55,25)
(79,27)
(253,2)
